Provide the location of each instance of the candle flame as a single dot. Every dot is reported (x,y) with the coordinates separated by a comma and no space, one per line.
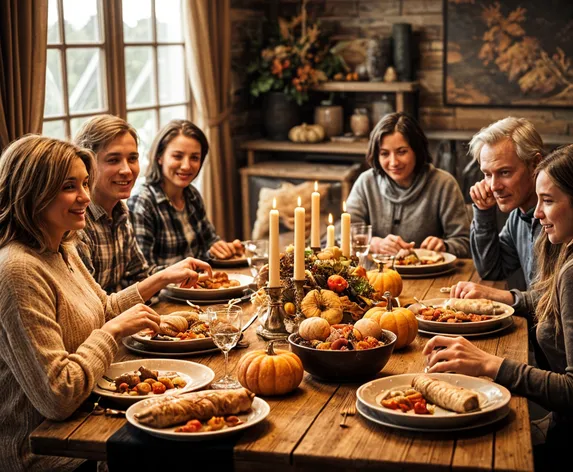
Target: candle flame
(315,186)
(344,206)
(299,201)
(330,218)
(274,203)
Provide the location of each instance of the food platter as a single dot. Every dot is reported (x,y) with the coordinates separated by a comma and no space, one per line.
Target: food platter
(485,420)
(174,345)
(259,411)
(459,328)
(447,271)
(212,295)
(232,263)
(427,269)
(196,375)
(503,325)
(492,397)
(142,349)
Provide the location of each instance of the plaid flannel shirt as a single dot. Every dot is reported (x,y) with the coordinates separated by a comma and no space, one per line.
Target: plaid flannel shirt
(108,248)
(159,231)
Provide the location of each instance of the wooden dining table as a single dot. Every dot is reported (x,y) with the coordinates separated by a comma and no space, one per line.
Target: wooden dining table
(302,431)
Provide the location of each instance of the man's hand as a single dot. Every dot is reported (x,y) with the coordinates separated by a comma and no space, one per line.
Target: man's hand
(224,250)
(433,243)
(472,290)
(482,195)
(391,244)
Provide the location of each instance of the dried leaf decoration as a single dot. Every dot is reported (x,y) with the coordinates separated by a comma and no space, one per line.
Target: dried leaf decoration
(521,57)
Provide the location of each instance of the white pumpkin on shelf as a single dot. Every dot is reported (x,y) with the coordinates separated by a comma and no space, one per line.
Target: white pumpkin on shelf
(306,133)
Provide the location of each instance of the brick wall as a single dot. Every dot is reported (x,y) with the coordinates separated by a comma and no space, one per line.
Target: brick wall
(374,18)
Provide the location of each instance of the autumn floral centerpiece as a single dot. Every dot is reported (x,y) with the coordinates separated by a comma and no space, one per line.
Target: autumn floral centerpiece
(295,58)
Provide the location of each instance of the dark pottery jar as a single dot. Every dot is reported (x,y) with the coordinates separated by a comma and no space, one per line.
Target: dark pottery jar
(402,46)
(280,114)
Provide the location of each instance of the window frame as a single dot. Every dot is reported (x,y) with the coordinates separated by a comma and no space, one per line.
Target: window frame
(112,46)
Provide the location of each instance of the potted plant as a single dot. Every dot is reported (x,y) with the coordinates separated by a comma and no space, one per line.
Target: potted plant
(285,67)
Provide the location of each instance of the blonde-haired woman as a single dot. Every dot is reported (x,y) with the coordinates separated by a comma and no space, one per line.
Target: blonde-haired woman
(168,215)
(553,295)
(59,330)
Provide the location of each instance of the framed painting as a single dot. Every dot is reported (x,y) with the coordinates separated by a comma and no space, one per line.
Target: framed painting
(514,53)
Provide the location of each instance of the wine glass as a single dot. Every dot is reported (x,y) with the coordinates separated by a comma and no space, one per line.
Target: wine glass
(257,253)
(225,330)
(360,236)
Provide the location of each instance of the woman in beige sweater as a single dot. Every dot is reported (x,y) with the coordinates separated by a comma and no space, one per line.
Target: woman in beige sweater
(59,330)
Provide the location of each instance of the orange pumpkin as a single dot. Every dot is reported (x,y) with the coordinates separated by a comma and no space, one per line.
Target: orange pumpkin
(401,321)
(385,280)
(270,372)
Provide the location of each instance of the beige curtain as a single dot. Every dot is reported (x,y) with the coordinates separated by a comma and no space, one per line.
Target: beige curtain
(23,39)
(208,53)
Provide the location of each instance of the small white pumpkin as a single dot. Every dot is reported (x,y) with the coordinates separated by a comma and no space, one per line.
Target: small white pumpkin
(306,133)
(368,327)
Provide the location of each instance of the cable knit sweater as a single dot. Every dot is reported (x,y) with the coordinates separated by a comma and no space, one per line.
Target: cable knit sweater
(51,348)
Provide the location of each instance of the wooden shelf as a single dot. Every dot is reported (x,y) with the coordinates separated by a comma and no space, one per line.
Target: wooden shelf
(466,135)
(288,146)
(383,87)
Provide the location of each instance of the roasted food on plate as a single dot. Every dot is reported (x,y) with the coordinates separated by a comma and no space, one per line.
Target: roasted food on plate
(446,315)
(171,325)
(145,381)
(409,257)
(480,306)
(199,406)
(445,394)
(218,280)
(427,392)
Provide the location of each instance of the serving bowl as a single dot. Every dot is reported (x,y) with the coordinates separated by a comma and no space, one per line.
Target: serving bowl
(345,366)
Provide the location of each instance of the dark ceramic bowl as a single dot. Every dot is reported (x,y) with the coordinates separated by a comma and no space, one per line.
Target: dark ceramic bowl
(344,366)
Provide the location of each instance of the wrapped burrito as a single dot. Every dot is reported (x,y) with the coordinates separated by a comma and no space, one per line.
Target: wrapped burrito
(479,306)
(446,395)
(195,406)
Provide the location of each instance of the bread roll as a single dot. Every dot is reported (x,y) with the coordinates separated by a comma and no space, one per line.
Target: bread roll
(195,406)
(190,316)
(446,395)
(172,325)
(479,306)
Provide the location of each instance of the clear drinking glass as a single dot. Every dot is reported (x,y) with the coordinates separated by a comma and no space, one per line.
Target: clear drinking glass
(360,236)
(225,323)
(257,253)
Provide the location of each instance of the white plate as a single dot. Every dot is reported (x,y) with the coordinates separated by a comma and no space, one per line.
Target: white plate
(196,375)
(449,260)
(182,345)
(488,419)
(212,294)
(428,275)
(504,324)
(468,327)
(259,411)
(491,396)
(144,350)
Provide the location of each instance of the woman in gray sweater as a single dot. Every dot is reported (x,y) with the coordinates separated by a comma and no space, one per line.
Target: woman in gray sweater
(408,202)
(553,293)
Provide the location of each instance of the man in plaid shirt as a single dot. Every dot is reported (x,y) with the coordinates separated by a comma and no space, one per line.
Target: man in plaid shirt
(107,244)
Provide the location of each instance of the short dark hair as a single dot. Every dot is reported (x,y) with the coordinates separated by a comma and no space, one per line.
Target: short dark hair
(167,134)
(412,132)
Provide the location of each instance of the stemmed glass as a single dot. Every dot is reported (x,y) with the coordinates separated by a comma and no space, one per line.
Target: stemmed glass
(257,253)
(360,236)
(225,323)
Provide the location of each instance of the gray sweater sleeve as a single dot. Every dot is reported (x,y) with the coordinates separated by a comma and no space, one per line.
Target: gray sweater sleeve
(357,202)
(551,390)
(454,219)
(495,255)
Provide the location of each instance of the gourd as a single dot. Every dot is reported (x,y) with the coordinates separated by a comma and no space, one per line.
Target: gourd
(314,328)
(270,371)
(401,321)
(368,327)
(322,303)
(385,280)
(306,133)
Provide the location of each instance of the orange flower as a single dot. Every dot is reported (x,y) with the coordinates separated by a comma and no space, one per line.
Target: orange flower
(277,68)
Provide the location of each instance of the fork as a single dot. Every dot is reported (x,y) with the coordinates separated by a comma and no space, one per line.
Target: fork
(350,410)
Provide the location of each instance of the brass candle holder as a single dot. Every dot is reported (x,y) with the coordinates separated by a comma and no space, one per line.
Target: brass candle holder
(273,321)
(315,251)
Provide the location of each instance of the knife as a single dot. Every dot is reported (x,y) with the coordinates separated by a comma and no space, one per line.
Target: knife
(249,323)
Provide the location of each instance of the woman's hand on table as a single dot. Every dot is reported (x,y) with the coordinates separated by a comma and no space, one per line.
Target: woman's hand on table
(473,290)
(457,354)
(133,320)
(224,250)
(433,243)
(391,244)
(482,195)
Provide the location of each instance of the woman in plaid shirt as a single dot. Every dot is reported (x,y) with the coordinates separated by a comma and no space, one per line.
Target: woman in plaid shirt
(168,215)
